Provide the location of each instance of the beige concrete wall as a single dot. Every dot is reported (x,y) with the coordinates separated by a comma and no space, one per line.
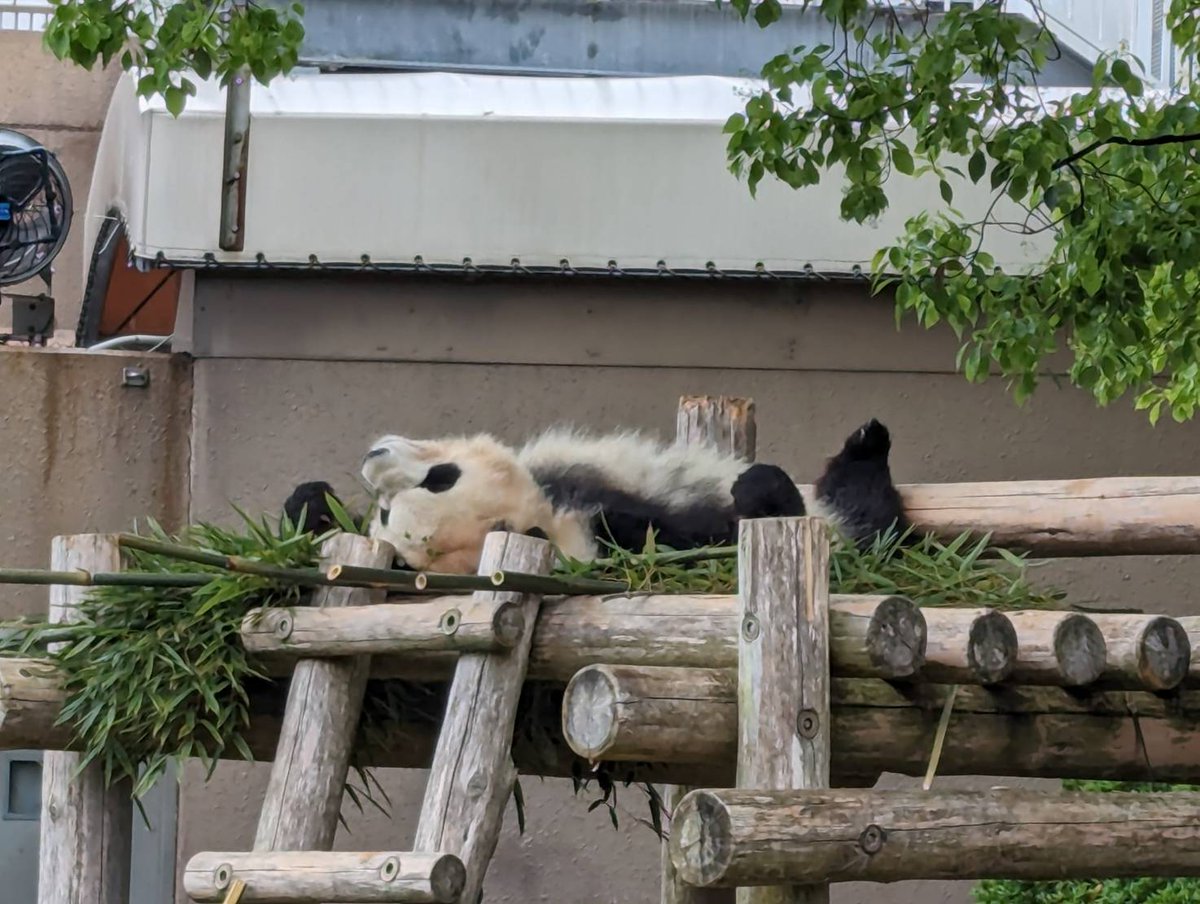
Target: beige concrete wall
(436,357)
(79,452)
(62,106)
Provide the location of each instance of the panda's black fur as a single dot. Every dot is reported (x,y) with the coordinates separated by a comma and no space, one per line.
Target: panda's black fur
(855,492)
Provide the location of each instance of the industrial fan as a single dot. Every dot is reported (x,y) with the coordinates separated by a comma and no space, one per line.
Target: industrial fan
(35,215)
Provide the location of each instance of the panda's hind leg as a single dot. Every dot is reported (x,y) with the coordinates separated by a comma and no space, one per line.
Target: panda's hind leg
(857,490)
(766,491)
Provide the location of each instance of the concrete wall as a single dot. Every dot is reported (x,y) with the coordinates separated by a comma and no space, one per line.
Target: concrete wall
(81,453)
(294,377)
(62,106)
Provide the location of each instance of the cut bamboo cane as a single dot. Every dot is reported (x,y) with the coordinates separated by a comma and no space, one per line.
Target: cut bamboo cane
(969,646)
(1060,648)
(86,826)
(746,837)
(445,624)
(872,636)
(1155,648)
(304,793)
(324,877)
(784,737)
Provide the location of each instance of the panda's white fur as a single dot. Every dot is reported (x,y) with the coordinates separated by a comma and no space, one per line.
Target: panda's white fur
(439,498)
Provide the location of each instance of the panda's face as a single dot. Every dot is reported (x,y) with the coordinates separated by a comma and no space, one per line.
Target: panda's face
(437,500)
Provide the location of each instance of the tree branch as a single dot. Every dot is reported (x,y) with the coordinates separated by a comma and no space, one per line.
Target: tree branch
(1130,142)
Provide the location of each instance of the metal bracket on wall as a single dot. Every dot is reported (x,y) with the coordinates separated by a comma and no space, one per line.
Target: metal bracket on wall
(135,376)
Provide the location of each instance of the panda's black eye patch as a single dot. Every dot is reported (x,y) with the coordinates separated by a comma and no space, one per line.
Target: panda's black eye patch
(441,478)
(383,516)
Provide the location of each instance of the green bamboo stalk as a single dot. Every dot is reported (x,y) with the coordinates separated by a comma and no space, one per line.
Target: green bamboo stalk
(673,557)
(309,577)
(385,578)
(101,579)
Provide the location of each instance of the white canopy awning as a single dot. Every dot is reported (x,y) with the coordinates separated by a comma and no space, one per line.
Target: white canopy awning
(441,170)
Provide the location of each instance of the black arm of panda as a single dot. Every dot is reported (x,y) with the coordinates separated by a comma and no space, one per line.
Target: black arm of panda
(308,500)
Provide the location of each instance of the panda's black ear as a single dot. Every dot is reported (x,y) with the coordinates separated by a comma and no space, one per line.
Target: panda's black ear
(441,478)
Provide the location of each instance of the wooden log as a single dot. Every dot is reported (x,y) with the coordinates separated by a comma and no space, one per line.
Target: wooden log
(325,877)
(1191,625)
(728,425)
(445,624)
(1114,516)
(1060,648)
(969,646)
(1153,648)
(86,832)
(783,669)
(472,774)
(871,636)
(304,793)
(31,698)
(738,838)
(651,714)
(1035,732)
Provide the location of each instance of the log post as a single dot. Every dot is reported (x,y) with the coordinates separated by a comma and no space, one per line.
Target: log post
(304,794)
(783,672)
(87,825)
(729,425)
(765,838)
(31,700)
(969,646)
(472,775)
(1154,649)
(1060,648)
(323,877)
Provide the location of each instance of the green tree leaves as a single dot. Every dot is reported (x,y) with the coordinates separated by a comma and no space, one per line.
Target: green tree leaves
(1108,174)
(166,43)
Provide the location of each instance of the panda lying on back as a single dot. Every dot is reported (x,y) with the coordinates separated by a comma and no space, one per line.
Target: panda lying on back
(437,499)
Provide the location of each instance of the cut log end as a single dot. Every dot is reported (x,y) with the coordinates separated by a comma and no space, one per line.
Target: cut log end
(447,878)
(896,638)
(590,723)
(1164,654)
(1080,650)
(701,839)
(508,624)
(992,647)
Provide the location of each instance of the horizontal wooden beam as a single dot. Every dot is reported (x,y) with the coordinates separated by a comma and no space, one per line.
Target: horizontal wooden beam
(877,727)
(326,877)
(872,636)
(725,838)
(635,714)
(1111,516)
(459,624)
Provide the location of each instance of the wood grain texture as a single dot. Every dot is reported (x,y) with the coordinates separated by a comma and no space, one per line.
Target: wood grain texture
(729,425)
(736,837)
(304,793)
(871,637)
(31,698)
(448,624)
(472,774)
(86,831)
(784,725)
(323,877)
(1154,650)
(1044,732)
(651,714)
(969,646)
(1060,648)
(1111,516)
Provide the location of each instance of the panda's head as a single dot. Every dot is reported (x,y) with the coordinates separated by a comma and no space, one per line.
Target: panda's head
(436,500)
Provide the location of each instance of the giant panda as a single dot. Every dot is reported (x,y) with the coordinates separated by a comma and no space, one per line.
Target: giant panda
(437,499)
